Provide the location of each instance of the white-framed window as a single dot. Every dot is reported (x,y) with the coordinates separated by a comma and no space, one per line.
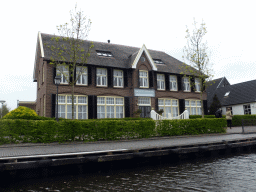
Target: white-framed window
(81,73)
(193,106)
(160,82)
(110,107)
(63,72)
(173,83)
(197,85)
(144,101)
(65,106)
(143,79)
(247,109)
(118,78)
(101,77)
(169,106)
(186,84)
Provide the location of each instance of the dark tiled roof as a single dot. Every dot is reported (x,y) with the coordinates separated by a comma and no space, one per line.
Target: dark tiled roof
(213,86)
(239,93)
(123,56)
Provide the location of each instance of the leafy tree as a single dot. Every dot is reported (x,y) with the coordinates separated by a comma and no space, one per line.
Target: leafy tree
(69,49)
(215,105)
(4,110)
(195,54)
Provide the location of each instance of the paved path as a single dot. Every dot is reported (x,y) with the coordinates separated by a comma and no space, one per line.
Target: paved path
(13,150)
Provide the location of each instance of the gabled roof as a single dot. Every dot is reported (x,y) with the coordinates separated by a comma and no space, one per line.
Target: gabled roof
(123,56)
(213,86)
(239,93)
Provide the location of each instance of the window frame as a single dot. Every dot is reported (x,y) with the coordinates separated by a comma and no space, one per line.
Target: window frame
(169,106)
(248,110)
(76,105)
(144,104)
(183,84)
(115,105)
(81,75)
(141,77)
(195,106)
(161,81)
(171,82)
(118,77)
(101,76)
(197,85)
(63,77)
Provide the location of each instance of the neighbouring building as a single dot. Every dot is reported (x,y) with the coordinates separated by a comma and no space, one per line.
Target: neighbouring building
(240,97)
(116,81)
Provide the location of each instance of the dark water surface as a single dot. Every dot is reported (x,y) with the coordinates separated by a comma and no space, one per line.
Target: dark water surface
(228,173)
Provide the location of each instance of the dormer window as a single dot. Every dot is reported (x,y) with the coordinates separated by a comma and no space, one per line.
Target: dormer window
(158,62)
(104,53)
(226,94)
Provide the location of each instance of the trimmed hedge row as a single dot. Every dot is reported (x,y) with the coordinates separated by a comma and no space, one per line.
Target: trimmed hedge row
(46,131)
(236,120)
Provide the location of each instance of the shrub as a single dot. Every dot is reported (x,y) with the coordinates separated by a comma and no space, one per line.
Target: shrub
(21,113)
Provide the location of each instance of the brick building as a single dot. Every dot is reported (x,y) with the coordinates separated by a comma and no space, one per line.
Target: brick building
(116,81)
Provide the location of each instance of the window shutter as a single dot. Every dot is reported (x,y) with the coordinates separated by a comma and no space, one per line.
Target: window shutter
(54,74)
(125,72)
(94,72)
(110,77)
(92,107)
(203,85)
(192,84)
(205,107)
(127,106)
(156,104)
(181,105)
(167,82)
(150,76)
(53,105)
(89,75)
(75,75)
(179,82)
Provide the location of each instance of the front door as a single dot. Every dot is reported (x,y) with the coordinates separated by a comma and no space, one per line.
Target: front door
(145,111)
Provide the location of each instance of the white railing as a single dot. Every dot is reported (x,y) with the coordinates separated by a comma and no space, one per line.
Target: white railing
(155,116)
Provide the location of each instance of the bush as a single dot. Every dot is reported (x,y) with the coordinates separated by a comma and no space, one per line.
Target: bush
(21,113)
(200,116)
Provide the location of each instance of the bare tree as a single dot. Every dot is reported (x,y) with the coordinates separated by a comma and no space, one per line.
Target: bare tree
(195,54)
(69,49)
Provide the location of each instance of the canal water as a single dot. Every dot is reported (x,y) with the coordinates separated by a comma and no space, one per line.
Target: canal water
(224,173)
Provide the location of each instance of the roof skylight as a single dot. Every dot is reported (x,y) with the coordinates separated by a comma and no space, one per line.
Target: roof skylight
(104,53)
(158,62)
(226,94)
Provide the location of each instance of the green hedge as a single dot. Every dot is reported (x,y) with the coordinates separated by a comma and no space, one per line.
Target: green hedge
(46,131)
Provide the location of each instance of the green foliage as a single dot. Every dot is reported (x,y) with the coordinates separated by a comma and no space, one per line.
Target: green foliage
(200,116)
(21,113)
(215,105)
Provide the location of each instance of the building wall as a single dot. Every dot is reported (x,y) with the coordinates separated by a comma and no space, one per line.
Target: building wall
(48,88)
(31,105)
(239,109)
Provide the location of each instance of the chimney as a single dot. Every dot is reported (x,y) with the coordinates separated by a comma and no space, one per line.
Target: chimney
(108,41)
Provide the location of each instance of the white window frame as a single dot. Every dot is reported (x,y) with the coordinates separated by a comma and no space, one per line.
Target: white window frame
(118,79)
(186,84)
(102,101)
(172,83)
(197,85)
(63,103)
(160,82)
(101,76)
(63,72)
(143,79)
(164,106)
(81,71)
(193,103)
(144,101)
(246,112)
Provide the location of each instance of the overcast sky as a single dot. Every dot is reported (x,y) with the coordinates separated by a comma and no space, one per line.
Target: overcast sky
(160,25)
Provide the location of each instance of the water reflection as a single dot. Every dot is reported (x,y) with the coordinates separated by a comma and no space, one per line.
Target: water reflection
(235,173)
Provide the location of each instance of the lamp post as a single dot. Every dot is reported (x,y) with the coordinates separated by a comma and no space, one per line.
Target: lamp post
(2,101)
(57,82)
